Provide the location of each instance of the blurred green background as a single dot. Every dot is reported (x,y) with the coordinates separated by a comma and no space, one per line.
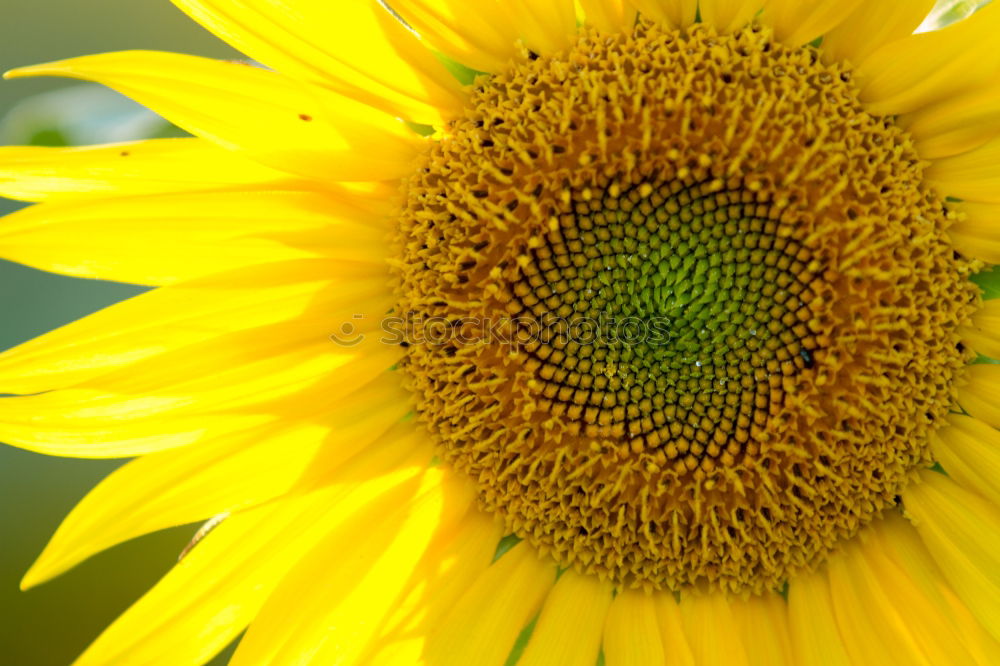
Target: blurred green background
(50,625)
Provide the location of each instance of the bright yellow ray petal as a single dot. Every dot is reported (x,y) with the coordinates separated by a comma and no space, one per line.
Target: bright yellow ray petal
(957,124)
(978,235)
(480,35)
(675,13)
(927,623)
(675,643)
(610,16)
(962,532)
(763,625)
(798,22)
(168,238)
(728,15)
(204,602)
(230,474)
(309,131)
(632,631)
(919,70)
(41,173)
(871,25)
(983,335)
(979,396)
(289,353)
(546,26)
(448,570)
(969,451)
(34,432)
(974,175)
(570,625)
(816,639)
(189,313)
(711,630)
(333,602)
(872,628)
(942,615)
(484,624)
(165,406)
(356,48)
(211,595)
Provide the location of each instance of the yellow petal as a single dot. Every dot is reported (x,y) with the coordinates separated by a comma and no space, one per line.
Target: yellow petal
(675,643)
(230,474)
(204,602)
(569,629)
(546,26)
(40,173)
(728,15)
(979,396)
(871,25)
(332,603)
(674,13)
(291,354)
(447,571)
(974,175)
(897,541)
(957,124)
(189,313)
(480,35)
(168,238)
(356,48)
(43,431)
(962,532)
(210,596)
(983,335)
(919,70)
(816,639)
(873,630)
(610,16)
(309,131)
(711,630)
(763,625)
(969,451)
(632,631)
(798,22)
(978,235)
(484,624)
(166,407)
(927,623)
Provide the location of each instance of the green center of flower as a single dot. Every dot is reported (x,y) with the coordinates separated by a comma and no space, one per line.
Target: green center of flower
(701,314)
(656,310)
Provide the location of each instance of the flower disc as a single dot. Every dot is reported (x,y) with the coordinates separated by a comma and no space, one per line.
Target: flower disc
(679,306)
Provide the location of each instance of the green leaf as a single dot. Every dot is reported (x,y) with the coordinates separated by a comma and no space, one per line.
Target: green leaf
(422,130)
(505,545)
(521,643)
(989,282)
(465,75)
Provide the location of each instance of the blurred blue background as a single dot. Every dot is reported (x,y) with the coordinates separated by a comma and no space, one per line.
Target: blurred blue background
(50,625)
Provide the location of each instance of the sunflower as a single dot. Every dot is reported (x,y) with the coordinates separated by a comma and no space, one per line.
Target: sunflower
(537,332)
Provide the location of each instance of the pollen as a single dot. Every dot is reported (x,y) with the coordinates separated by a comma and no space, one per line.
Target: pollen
(701,314)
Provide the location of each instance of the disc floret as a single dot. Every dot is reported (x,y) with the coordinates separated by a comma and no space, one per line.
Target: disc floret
(799,298)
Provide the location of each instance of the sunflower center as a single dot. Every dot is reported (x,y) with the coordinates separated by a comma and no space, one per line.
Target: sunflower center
(681,309)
